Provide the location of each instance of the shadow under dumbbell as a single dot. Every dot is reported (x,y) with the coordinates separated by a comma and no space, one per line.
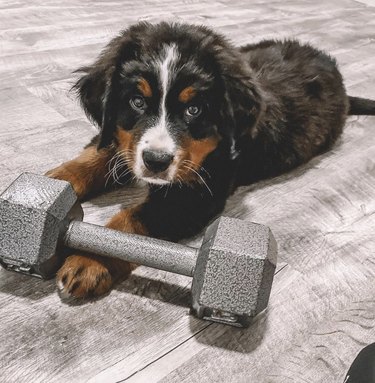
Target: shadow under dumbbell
(156,290)
(240,340)
(25,286)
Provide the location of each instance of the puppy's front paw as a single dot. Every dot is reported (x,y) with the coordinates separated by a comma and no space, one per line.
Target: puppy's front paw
(64,173)
(83,277)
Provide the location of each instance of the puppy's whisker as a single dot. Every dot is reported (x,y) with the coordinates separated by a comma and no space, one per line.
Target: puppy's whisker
(200,167)
(125,172)
(179,181)
(107,177)
(134,178)
(110,168)
(117,166)
(114,157)
(160,187)
(201,178)
(167,189)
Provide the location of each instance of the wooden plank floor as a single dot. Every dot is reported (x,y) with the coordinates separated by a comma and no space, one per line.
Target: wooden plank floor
(322,307)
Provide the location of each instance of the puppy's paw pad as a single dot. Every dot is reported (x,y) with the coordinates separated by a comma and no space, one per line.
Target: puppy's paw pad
(83,277)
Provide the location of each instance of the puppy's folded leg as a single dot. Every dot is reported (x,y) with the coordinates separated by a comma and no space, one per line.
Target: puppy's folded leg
(87,275)
(88,173)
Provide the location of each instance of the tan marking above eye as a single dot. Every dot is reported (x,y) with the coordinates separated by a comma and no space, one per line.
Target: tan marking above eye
(144,87)
(187,94)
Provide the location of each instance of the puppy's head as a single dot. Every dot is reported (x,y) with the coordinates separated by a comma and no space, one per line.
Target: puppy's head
(168,95)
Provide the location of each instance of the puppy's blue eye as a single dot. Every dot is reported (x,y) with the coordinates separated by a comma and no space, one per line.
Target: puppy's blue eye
(137,103)
(193,111)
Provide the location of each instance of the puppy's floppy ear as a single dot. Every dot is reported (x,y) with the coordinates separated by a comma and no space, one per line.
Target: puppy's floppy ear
(98,88)
(242,99)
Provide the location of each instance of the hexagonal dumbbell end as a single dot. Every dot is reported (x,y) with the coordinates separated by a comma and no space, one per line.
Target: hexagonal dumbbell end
(34,210)
(234,271)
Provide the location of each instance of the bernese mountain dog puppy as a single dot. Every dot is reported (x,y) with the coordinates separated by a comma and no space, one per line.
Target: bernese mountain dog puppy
(194,117)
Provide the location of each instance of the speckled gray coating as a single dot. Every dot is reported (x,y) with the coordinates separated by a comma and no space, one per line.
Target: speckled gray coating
(134,248)
(39,192)
(235,268)
(32,212)
(232,271)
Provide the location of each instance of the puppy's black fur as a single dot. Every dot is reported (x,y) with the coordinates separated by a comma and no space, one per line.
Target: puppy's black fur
(275,105)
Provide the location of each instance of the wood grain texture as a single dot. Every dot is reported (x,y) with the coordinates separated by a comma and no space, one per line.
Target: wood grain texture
(322,307)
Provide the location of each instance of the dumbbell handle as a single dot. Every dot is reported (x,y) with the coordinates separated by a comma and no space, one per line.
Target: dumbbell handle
(151,252)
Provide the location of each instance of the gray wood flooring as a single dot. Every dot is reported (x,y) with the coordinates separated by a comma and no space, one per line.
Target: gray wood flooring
(322,307)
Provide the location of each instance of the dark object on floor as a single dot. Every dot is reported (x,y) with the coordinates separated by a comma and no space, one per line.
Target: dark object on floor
(363,368)
(361,106)
(232,271)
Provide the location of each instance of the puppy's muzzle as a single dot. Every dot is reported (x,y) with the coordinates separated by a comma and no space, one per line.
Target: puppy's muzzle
(156,161)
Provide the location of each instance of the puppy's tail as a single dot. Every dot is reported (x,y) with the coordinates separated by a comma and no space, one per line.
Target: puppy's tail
(361,106)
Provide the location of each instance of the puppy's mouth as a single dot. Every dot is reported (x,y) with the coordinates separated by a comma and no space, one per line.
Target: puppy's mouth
(152,167)
(155,180)
(156,174)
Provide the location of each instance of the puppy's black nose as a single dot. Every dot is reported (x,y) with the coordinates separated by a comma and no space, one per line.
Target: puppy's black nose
(156,161)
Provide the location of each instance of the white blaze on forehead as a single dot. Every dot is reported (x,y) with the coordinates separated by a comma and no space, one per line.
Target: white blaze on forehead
(165,69)
(158,137)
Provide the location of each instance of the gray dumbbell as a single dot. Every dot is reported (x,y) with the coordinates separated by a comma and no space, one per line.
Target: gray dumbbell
(232,271)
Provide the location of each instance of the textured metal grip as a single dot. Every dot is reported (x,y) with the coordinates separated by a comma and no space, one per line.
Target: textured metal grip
(146,251)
